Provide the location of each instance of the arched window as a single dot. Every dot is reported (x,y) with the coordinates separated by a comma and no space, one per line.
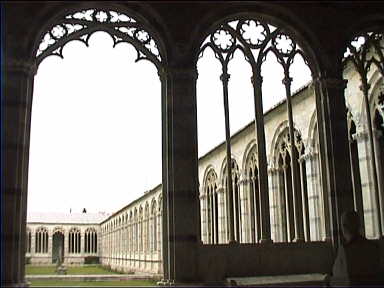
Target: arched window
(140,228)
(146,237)
(28,243)
(252,175)
(90,241)
(41,240)
(74,241)
(211,211)
(136,231)
(154,226)
(293,203)
(235,208)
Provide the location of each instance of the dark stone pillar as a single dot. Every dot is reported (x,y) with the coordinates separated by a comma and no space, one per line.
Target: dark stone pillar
(16,120)
(182,173)
(338,184)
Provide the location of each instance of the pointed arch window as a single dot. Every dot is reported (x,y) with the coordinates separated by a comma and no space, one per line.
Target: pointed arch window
(74,241)
(41,240)
(90,241)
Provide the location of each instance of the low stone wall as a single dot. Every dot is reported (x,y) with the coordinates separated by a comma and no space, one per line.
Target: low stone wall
(150,264)
(217,262)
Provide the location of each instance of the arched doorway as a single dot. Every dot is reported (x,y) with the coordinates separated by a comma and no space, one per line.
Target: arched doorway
(58,247)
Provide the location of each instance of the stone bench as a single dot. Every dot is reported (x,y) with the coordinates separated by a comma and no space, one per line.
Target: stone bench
(278,280)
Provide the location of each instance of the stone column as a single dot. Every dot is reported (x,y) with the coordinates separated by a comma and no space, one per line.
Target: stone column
(182,174)
(371,210)
(265,226)
(33,243)
(304,198)
(356,179)
(281,203)
(203,217)
(313,198)
(244,210)
(50,243)
(221,216)
(66,252)
(16,113)
(378,137)
(274,206)
(333,144)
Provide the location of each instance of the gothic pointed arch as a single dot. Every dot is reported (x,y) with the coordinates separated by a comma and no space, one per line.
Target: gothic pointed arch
(79,22)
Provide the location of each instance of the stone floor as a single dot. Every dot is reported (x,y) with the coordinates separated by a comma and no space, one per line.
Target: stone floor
(296,280)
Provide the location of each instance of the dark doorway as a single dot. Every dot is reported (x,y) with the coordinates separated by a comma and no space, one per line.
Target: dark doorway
(58,247)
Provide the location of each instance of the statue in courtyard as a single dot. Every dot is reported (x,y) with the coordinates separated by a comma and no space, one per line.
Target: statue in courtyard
(358,259)
(60,267)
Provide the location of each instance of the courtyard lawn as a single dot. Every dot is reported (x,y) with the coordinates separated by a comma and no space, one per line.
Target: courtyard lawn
(116,283)
(71,270)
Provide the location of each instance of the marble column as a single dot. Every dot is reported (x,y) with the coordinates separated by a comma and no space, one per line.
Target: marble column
(221,216)
(182,173)
(333,147)
(203,217)
(276,223)
(378,142)
(244,204)
(304,197)
(371,210)
(16,112)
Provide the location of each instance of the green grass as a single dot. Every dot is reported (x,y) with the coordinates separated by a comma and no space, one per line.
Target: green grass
(65,283)
(71,270)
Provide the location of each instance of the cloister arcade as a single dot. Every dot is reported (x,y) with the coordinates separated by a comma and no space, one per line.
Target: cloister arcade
(50,241)
(293,170)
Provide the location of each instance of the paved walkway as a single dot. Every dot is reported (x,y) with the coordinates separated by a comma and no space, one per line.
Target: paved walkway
(103,277)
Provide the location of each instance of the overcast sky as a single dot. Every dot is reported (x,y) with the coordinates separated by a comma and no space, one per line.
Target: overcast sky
(96,122)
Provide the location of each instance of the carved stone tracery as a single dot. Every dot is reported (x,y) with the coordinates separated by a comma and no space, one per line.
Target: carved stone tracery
(82,24)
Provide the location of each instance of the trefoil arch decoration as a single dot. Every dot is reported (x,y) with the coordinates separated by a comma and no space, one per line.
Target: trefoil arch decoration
(82,24)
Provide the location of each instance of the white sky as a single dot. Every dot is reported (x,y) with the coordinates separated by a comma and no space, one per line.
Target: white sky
(96,122)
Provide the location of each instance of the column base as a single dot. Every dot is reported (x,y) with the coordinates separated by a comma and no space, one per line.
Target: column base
(266,241)
(298,240)
(233,242)
(23,284)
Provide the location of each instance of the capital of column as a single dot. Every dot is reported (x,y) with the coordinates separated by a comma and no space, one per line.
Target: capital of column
(256,79)
(28,67)
(307,156)
(360,135)
(271,170)
(225,77)
(177,73)
(332,83)
(243,181)
(287,80)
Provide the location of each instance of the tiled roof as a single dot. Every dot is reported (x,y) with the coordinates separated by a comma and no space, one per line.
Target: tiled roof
(66,218)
